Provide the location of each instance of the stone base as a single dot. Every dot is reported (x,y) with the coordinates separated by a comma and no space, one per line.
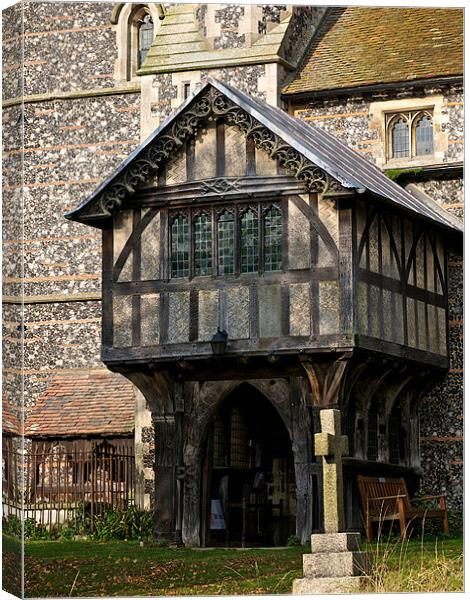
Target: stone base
(335,542)
(336,564)
(330,585)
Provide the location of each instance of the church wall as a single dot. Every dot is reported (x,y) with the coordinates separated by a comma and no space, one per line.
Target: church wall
(68,46)
(352,119)
(71,143)
(12,165)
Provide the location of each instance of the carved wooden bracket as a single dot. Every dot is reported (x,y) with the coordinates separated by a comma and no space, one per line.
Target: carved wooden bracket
(210,103)
(159,389)
(326,380)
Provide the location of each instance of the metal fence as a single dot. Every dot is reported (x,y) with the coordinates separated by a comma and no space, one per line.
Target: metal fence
(58,485)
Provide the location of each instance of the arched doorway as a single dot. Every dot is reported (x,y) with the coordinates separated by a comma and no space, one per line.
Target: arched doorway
(248,495)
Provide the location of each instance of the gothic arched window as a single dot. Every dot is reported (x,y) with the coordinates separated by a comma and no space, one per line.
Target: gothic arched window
(135,26)
(423,133)
(144,37)
(273,239)
(249,242)
(400,138)
(203,245)
(180,247)
(395,439)
(373,431)
(410,134)
(226,243)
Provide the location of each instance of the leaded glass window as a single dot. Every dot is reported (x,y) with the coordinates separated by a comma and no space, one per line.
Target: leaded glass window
(424,136)
(145,35)
(249,242)
(180,247)
(230,245)
(410,134)
(394,431)
(226,244)
(373,432)
(203,245)
(273,239)
(400,139)
(239,448)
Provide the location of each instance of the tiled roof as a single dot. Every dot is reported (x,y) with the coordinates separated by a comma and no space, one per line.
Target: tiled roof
(83,403)
(359,46)
(11,418)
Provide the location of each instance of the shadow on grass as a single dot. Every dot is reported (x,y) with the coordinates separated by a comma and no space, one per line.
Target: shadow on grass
(89,568)
(11,565)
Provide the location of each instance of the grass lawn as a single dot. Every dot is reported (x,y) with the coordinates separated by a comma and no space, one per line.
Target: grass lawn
(86,568)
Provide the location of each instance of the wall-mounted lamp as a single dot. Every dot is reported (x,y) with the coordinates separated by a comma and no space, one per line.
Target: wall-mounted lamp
(219,342)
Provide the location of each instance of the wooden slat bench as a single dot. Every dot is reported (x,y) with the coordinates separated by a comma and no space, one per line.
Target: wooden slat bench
(387,499)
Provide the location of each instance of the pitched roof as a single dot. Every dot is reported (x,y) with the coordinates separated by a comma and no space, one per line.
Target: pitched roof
(11,418)
(317,146)
(179,45)
(360,46)
(83,403)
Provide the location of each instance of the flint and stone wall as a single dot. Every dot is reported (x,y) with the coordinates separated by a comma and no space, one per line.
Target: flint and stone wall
(79,129)
(353,119)
(74,131)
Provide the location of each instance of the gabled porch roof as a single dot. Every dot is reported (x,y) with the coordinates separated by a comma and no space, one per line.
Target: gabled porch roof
(314,145)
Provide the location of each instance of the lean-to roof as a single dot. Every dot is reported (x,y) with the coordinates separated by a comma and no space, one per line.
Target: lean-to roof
(94,402)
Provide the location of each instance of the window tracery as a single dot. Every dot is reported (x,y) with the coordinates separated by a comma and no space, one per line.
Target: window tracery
(410,134)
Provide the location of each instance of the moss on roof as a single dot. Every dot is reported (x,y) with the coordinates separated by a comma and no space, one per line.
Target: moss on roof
(359,46)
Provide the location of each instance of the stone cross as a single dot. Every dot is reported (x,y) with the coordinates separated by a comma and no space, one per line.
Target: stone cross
(331,445)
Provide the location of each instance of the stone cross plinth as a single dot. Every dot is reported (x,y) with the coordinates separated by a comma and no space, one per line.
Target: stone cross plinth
(336,564)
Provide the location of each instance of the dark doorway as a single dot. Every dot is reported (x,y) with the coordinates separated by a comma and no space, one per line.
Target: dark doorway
(248,485)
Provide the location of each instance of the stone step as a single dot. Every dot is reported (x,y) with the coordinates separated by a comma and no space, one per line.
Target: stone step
(330,585)
(336,564)
(335,542)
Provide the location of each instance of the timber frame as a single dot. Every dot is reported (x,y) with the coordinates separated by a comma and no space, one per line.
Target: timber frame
(356,317)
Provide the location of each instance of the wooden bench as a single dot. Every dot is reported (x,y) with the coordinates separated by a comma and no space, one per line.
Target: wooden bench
(387,499)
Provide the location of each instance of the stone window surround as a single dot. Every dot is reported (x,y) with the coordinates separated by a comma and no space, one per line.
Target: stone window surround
(379,111)
(127,39)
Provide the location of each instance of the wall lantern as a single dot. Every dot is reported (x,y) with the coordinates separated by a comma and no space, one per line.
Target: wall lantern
(219,342)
